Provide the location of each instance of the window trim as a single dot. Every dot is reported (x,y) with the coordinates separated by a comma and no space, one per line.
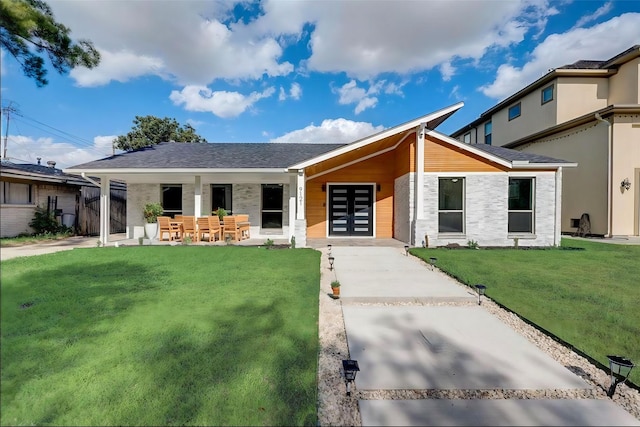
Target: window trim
(512,108)
(542,92)
(466,138)
(532,211)
(6,194)
(462,211)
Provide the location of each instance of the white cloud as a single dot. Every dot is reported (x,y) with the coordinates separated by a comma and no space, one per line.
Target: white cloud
(351,93)
(24,148)
(294,93)
(599,42)
(601,11)
(447,70)
(222,103)
(197,42)
(331,131)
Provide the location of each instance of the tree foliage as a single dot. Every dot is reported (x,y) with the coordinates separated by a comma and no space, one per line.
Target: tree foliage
(151,130)
(29,31)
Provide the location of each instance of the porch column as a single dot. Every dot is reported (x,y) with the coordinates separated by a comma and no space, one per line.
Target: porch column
(105,210)
(197,196)
(301,189)
(292,205)
(419,190)
(558,212)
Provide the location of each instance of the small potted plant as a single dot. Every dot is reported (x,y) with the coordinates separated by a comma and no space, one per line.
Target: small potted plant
(221,212)
(335,287)
(151,213)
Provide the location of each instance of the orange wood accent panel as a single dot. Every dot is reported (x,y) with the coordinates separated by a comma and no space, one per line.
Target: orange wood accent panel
(379,170)
(405,156)
(442,157)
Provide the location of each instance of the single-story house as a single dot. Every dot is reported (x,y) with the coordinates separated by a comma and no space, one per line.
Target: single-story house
(26,186)
(409,182)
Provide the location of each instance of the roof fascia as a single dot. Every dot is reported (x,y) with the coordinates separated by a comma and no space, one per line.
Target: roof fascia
(169,171)
(377,137)
(528,166)
(469,148)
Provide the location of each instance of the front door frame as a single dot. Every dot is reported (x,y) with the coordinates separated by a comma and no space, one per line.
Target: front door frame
(327,203)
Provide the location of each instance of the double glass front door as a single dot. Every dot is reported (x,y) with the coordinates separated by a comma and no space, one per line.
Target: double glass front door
(351,210)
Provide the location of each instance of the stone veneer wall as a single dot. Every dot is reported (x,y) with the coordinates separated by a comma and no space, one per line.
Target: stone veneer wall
(486,212)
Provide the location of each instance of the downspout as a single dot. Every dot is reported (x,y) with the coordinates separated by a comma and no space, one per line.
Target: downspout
(609,172)
(94,182)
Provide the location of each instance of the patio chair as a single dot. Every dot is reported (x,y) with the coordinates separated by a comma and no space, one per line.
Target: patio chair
(231,227)
(215,226)
(166,226)
(189,228)
(244,225)
(205,228)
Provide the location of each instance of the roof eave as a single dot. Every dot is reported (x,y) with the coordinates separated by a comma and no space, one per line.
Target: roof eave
(134,171)
(529,166)
(433,118)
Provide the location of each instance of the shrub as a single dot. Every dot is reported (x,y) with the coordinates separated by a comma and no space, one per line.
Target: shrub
(152,211)
(44,222)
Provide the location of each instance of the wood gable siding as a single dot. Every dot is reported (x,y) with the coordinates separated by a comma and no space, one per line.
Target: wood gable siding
(442,157)
(381,169)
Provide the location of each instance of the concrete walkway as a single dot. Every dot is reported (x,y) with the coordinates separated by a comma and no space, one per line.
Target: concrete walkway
(451,344)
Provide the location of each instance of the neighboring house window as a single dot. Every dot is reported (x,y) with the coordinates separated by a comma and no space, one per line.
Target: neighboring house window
(451,205)
(521,192)
(221,197)
(547,94)
(172,199)
(514,111)
(487,133)
(467,138)
(15,193)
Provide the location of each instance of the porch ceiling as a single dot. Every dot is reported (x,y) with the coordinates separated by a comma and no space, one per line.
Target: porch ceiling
(359,153)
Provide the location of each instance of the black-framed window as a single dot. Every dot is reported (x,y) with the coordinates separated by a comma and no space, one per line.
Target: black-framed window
(546,94)
(451,205)
(172,199)
(466,138)
(521,205)
(272,197)
(221,197)
(487,133)
(16,193)
(514,111)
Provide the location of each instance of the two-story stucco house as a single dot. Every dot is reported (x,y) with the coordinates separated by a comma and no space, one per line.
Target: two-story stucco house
(408,182)
(587,112)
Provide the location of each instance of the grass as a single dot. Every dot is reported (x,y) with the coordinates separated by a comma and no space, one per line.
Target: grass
(185,335)
(588,298)
(7,242)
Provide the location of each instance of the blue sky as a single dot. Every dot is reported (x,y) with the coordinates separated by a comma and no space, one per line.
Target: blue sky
(296,71)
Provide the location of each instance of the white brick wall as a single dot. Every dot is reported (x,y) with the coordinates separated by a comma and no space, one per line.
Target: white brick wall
(486,211)
(15,220)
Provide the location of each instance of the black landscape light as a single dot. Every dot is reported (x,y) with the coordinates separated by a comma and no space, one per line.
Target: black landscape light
(351,368)
(620,369)
(433,261)
(480,289)
(329,249)
(331,259)
(406,250)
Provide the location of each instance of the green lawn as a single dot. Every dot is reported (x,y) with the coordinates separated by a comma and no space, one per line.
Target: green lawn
(182,335)
(589,298)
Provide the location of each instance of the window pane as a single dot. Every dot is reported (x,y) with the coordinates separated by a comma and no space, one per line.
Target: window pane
(450,222)
(547,94)
(514,111)
(520,192)
(221,197)
(271,219)
(272,197)
(520,222)
(487,128)
(450,194)
(16,193)
(467,138)
(172,197)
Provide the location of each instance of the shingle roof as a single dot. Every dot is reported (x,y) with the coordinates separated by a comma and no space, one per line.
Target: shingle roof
(212,155)
(31,168)
(514,155)
(584,64)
